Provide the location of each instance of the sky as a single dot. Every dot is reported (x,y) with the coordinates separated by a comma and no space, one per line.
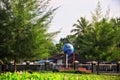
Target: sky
(70,11)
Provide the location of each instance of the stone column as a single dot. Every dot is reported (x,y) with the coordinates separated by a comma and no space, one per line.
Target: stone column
(76,65)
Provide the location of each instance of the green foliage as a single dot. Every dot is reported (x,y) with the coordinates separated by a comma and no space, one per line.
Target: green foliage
(97,15)
(55,76)
(81,28)
(23,29)
(97,40)
(74,71)
(100,43)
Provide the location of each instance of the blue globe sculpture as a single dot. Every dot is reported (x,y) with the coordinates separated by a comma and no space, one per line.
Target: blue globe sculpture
(68,48)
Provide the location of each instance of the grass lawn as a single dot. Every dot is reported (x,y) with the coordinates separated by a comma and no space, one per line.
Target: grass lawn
(55,76)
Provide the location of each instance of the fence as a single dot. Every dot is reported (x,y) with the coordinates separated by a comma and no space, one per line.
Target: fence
(103,68)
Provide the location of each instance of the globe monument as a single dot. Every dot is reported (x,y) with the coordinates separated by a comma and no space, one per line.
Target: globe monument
(67,49)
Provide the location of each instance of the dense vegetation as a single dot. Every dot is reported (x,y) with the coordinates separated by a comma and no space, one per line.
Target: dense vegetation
(96,39)
(23,29)
(55,76)
(24,25)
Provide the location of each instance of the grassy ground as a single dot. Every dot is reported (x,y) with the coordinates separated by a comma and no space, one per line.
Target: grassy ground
(56,76)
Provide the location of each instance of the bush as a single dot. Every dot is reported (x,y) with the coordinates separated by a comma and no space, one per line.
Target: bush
(72,71)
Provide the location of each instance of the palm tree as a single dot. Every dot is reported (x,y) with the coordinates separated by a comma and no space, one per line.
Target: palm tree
(82,26)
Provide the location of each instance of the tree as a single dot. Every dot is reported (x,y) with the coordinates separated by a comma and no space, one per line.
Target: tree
(5,32)
(97,15)
(81,28)
(98,41)
(23,29)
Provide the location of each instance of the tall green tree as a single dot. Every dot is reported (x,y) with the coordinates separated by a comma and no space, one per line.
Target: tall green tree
(5,32)
(80,29)
(98,41)
(23,29)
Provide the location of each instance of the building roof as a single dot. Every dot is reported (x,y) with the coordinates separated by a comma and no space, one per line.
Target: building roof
(70,58)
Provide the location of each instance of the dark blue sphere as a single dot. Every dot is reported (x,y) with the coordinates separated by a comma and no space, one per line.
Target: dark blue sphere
(68,48)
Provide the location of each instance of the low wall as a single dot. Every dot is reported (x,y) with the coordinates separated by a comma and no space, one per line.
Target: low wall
(37,67)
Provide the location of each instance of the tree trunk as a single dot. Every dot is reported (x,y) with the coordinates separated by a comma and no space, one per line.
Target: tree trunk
(98,67)
(15,67)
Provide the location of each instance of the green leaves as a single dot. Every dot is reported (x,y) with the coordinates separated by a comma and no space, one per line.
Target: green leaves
(81,27)
(100,41)
(97,40)
(23,29)
(55,76)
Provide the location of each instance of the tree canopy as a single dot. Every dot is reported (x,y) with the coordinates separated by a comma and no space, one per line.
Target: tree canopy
(97,39)
(23,29)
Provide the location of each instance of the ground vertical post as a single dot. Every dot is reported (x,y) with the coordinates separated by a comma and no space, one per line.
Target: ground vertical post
(98,67)
(118,67)
(66,62)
